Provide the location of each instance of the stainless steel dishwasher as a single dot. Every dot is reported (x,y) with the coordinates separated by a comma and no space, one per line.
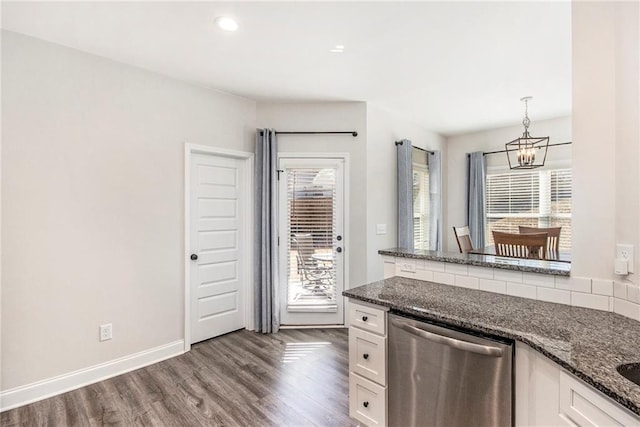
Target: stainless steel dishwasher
(445,378)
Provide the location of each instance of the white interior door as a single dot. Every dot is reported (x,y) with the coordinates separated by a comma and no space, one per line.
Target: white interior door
(311,241)
(217,222)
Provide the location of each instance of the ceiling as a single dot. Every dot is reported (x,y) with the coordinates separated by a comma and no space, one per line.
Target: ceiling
(452,67)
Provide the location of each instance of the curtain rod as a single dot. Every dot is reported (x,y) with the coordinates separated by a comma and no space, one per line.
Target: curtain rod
(504,151)
(417,148)
(353,133)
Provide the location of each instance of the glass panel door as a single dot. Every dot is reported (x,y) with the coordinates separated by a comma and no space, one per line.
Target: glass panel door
(311,241)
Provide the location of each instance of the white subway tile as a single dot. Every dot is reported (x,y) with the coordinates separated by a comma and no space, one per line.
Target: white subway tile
(434,266)
(602,287)
(444,278)
(619,290)
(466,281)
(597,302)
(460,269)
(424,275)
(520,290)
(633,293)
(546,280)
(481,272)
(626,308)
(575,284)
(507,275)
(554,295)
(497,286)
(402,273)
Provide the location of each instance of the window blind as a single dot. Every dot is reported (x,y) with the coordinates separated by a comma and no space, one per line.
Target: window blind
(533,199)
(311,208)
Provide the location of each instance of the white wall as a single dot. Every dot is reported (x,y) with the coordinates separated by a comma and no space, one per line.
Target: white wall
(383,129)
(559,130)
(606,156)
(330,116)
(92,203)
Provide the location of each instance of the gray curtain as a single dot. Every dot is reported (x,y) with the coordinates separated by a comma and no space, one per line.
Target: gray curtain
(266,307)
(405,195)
(435,201)
(476,190)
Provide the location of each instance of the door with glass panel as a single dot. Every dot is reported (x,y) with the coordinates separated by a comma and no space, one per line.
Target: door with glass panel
(311,241)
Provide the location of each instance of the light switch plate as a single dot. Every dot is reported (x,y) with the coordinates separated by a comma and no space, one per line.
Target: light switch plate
(381,228)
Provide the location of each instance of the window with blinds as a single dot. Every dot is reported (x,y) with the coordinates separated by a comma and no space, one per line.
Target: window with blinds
(311,208)
(533,199)
(420,206)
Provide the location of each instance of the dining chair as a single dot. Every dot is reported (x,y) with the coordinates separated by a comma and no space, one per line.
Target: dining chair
(463,238)
(532,245)
(553,241)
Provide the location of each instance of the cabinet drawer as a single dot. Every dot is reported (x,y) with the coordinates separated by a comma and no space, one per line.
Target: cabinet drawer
(368,318)
(367,355)
(367,401)
(586,407)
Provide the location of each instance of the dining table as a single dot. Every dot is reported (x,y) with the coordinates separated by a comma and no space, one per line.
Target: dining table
(561,256)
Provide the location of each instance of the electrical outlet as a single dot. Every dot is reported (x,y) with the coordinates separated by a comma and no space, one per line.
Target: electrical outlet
(408,266)
(106,332)
(625,252)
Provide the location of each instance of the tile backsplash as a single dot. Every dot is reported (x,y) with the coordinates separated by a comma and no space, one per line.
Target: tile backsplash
(599,294)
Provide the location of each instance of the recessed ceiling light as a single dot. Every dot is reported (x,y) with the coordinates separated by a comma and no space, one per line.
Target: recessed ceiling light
(226,23)
(340,46)
(338,49)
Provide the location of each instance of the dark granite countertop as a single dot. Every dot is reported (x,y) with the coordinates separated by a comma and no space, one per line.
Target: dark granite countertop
(518,264)
(588,343)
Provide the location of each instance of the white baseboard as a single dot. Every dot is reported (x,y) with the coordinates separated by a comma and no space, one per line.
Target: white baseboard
(33,392)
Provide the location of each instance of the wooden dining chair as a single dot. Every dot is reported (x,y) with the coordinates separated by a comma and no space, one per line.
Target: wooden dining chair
(463,238)
(553,241)
(532,245)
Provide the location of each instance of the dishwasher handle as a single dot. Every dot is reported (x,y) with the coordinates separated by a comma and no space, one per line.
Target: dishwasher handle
(451,342)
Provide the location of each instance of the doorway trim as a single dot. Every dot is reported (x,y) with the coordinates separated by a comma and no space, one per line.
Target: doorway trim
(247,253)
(346,220)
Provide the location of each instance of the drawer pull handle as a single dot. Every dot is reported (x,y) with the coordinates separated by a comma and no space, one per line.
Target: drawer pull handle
(365,318)
(365,404)
(365,356)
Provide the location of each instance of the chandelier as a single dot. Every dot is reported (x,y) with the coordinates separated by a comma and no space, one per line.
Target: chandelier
(525,152)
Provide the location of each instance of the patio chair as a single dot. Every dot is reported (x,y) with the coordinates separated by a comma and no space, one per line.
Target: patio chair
(315,275)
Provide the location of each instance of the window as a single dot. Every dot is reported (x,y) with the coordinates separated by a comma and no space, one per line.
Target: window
(420,206)
(534,199)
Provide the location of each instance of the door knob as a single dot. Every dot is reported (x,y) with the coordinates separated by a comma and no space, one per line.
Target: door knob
(338,249)
(365,318)
(194,257)
(365,404)
(365,356)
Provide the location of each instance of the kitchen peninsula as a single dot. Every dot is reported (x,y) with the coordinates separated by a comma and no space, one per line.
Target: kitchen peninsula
(566,357)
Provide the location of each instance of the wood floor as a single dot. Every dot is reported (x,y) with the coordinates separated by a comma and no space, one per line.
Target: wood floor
(292,378)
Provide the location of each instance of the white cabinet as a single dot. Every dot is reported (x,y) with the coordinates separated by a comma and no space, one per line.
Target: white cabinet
(547,395)
(368,364)
(367,401)
(586,407)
